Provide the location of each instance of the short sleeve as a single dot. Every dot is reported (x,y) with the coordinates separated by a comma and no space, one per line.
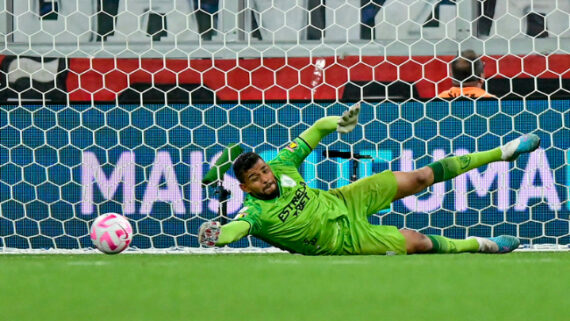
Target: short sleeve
(294,154)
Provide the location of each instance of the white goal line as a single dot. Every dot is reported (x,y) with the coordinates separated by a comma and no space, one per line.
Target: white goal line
(229,250)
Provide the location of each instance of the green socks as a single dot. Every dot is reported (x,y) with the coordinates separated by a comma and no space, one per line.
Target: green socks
(447,169)
(443,244)
(451,167)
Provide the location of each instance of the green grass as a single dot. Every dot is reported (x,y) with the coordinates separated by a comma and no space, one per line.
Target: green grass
(517,286)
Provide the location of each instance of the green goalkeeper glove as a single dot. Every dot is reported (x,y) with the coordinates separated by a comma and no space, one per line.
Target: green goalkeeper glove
(349,119)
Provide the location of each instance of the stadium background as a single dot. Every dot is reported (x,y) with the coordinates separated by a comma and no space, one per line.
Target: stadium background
(162,102)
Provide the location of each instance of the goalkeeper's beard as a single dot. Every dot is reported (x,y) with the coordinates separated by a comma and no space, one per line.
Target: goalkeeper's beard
(272,192)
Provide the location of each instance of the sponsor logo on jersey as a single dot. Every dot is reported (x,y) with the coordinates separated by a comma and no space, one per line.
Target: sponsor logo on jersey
(297,204)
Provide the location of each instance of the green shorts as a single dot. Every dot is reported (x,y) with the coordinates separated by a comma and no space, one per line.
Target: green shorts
(363,198)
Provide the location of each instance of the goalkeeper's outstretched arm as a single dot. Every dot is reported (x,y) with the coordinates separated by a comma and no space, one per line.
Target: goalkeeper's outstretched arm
(326,125)
(212,234)
(232,232)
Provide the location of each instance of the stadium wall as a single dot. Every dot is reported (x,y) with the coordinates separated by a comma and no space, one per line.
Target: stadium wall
(350,78)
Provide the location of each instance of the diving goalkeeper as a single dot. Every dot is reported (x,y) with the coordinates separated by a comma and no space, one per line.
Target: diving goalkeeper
(283,211)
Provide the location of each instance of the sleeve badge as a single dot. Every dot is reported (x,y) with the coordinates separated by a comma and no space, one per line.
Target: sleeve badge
(292,147)
(242,213)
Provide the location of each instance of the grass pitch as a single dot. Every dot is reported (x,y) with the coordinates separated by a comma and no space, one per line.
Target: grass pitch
(517,286)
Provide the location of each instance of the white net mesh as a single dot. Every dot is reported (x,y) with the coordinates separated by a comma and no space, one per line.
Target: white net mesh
(121,105)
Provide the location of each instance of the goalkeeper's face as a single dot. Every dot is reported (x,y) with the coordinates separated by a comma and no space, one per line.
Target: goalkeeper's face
(260,182)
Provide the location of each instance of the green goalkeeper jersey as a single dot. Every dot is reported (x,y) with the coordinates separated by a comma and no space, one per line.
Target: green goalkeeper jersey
(301,219)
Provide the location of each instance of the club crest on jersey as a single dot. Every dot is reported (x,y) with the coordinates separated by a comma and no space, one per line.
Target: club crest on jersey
(287,181)
(292,146)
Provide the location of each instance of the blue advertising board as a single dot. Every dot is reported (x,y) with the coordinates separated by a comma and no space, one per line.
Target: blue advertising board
(61,166)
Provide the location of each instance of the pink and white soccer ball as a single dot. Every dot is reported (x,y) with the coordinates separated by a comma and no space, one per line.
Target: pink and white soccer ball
(111,233)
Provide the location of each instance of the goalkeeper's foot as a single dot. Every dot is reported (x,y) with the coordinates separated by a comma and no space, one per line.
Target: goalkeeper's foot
(499,244)
(524,144)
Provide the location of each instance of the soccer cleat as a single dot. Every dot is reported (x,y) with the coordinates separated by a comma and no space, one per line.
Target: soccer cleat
(506,243)
(486,245)
(499,244)
(523,144)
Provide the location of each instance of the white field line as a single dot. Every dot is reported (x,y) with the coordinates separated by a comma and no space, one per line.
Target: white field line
(226,250)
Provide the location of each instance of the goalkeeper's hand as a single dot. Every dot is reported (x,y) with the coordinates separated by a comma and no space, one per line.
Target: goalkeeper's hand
(348,120)
(209,233)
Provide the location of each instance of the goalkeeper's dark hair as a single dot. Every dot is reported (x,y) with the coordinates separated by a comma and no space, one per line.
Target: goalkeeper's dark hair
(243,163)
(467,68)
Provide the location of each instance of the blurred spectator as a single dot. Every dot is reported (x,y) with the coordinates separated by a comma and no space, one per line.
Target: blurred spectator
(207,17)
(516,18)
(370,9)
(468,77)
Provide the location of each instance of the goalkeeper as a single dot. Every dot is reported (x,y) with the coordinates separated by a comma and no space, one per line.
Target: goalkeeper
(283,211)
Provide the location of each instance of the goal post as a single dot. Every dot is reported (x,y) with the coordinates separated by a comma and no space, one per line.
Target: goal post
(124,106)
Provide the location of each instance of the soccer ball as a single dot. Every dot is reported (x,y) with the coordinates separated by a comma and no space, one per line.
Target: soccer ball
(111,233)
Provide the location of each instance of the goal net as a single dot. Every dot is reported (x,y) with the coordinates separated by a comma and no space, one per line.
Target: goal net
(123,106)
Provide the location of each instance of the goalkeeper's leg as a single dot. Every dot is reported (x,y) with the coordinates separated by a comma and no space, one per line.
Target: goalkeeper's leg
(420,243)
(413,182)
(410,183)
